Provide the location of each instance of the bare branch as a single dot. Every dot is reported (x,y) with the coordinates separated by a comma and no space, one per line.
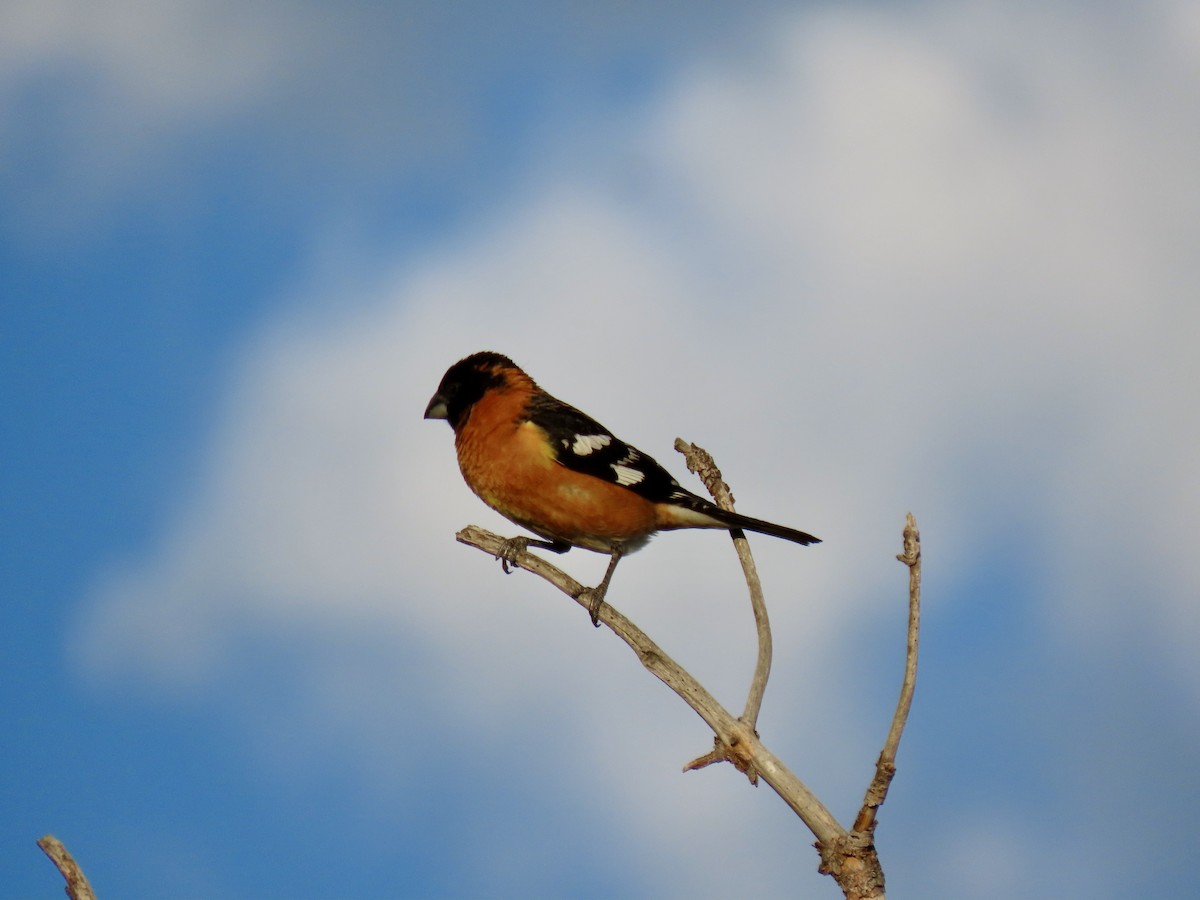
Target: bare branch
(885,767)
(77,884)
(849,857)
(701,462)
(745,750)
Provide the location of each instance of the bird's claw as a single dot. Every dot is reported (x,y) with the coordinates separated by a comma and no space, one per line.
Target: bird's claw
(510,550)
(595,599)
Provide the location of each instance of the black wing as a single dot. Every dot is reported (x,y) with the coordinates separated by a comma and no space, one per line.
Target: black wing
(583,444)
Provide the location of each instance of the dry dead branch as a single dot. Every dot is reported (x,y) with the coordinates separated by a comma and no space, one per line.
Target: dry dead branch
(77,884)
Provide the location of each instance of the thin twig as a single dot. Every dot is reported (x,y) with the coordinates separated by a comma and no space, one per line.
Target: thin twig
(885,767)
(701,462)
(77,884)
(746,751)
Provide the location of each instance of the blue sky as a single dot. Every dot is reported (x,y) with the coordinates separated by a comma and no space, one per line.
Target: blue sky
(931,256)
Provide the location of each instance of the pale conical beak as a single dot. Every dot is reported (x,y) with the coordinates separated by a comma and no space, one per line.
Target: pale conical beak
(437,408)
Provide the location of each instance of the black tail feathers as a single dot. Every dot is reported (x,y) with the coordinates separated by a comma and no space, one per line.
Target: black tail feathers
(737,520)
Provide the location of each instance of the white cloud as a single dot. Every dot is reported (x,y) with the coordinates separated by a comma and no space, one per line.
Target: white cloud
(104,105)
(117,106)
(180,57)
(932,261)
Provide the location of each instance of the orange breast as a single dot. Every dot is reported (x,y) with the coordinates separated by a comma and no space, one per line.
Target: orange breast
(512,468)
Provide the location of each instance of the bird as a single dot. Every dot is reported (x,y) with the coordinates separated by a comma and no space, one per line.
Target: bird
(559,473)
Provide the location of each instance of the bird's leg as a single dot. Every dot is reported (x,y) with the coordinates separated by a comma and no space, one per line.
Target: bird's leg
(597,593)
(515,546)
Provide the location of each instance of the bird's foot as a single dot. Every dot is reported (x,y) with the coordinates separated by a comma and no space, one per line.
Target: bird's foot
(510,550)
(595,599)
(595,596)
(515,546)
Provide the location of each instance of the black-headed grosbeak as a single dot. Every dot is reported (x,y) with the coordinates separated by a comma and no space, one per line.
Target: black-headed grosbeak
(561,474)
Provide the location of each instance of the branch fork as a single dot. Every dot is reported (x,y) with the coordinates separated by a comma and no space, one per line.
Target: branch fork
(737,751)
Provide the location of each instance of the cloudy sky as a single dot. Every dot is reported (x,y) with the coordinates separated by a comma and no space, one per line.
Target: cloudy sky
(938,257)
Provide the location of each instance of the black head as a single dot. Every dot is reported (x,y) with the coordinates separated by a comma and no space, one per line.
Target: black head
(464,383)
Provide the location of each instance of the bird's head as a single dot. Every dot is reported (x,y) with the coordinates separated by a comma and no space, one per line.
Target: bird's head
(466,382)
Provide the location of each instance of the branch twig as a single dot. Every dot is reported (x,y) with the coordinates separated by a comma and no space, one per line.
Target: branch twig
(77,884)
(885,768)
(746,750)
(701,462)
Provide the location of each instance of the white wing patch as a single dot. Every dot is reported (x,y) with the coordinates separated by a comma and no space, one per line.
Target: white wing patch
(626,475)
(588,443)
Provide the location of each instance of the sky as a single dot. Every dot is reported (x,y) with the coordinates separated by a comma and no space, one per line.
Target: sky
(876,258)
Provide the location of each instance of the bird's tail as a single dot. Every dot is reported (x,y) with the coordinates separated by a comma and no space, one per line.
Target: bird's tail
(689,510)
(746,523)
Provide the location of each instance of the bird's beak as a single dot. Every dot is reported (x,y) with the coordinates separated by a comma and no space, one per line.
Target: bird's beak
(437,408)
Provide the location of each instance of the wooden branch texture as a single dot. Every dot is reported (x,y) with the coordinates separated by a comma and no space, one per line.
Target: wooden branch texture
(701,462)
(77,884)
(885,768)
